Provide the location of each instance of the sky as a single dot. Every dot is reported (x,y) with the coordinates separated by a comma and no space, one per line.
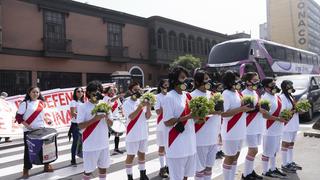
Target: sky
(224,16)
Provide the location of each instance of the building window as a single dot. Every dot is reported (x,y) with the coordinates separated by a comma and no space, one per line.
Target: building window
(55,31)
(199,46)
(54,25)
(162,39)
(173,44)
(52,80)
(182,43)
(115,35)
(191,44)
(15,82)
(137,75)
(207,46)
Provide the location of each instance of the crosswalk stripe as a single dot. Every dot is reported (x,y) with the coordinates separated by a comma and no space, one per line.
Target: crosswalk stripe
(12,169)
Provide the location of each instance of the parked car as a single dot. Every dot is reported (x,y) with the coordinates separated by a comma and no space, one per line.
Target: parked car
(307,87)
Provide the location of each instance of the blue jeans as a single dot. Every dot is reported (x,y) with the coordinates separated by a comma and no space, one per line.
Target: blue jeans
(75,135)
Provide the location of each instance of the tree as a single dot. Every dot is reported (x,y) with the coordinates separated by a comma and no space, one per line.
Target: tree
(187,61)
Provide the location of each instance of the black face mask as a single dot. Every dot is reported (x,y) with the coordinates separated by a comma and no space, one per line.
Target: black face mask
(186,85)
(98,95)
(239,85)
(136,95)
(275,89)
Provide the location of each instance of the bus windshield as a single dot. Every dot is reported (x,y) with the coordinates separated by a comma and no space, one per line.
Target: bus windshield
(229,52)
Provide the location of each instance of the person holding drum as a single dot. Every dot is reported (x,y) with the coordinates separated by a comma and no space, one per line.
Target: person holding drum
(137,113)
(118,127)
(162,92)
(31,115)
(78,99)
(94,133)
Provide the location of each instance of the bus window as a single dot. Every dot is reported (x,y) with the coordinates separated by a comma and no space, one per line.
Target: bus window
(290,55)
(229,52)
(250,68)
(315,59)
(280,53)
(296,57)
(271,50)
(309,59)
(303,58)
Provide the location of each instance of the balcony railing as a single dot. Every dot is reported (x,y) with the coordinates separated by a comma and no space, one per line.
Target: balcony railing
(117,51)
(57,47)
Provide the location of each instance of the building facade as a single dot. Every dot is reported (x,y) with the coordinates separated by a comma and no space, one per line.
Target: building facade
(295,23)
(63,43)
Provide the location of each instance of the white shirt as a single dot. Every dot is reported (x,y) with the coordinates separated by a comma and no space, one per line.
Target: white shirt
(140,129)
(115,113)
(158,105)
(256,125)
(232,100)
(293,124)
(38,122)
(209,132)
(98,139)
(75,104)
(185,143)
(276,128)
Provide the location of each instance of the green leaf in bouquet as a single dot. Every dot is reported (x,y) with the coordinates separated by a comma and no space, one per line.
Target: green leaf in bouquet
(286,114)
(149,97)
(200,106)
(247,99)
(303,106)
(101,107)
(217,97)
(265,104)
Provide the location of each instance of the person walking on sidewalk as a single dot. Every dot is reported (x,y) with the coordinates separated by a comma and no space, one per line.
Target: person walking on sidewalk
(77,101)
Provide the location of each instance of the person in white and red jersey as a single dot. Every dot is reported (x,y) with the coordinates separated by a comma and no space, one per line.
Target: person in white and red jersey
(207,132)
(31,115)
(179,132)
(78,100)
(233,129)
(94,133)
(255,126)
(137,113)
(273,129)
(114,101)
(290,129)
(162,92)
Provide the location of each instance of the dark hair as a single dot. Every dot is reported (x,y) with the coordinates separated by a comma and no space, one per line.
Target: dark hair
(27,97)
(94,86)
(174,76)
(160,85)
(133,84)
(75,94)
(248,76)
(199,78)
(228,79)
(266,81)
(284,89)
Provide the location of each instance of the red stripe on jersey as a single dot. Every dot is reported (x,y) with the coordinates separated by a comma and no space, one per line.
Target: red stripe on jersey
(133,121)
(197,127)
(160,117)
(86,133)
(35,114)
(173,133)
(276,113)
(115,106)
(233,121)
